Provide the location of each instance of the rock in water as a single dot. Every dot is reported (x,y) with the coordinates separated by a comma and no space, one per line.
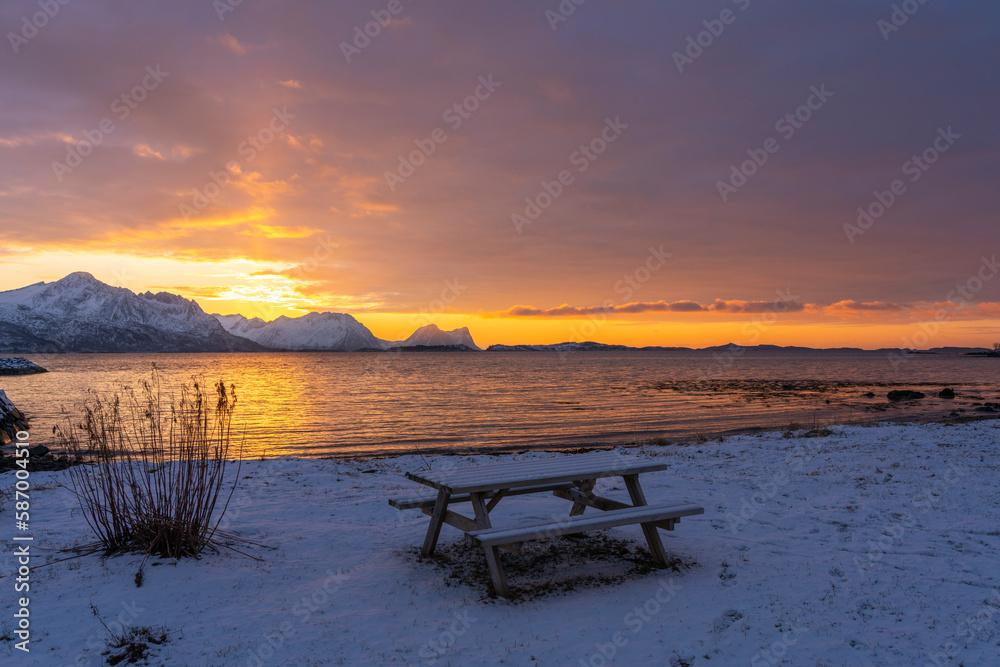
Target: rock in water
(19,366)
(11,419)
(904,395)
(38,451)
(946,393)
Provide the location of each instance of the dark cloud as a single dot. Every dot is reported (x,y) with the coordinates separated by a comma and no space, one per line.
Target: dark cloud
(629,308)
(777,306)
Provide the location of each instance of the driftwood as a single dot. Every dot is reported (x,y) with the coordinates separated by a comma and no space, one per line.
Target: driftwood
(12,420)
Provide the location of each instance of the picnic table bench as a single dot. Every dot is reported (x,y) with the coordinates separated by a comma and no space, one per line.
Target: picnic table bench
(571,478)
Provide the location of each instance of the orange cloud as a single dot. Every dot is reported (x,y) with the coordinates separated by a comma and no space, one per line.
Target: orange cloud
(277,232)
(865,306)
(232,44)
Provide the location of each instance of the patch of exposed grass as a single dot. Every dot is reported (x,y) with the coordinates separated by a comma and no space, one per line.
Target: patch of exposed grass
(130,645)
(557,565)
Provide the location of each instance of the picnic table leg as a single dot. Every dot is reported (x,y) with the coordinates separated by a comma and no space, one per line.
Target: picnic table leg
(652,536)
(482,514)
(586,488)
(492,552)
(437,518)
(496,571)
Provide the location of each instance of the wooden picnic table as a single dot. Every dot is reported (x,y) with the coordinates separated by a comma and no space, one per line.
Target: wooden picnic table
(569,477)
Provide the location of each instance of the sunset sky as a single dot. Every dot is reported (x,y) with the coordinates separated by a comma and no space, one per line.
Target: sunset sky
(272,158)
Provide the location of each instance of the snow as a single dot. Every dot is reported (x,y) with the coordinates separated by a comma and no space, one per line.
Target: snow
(333,331)
(432,335)
(18,366)
(81,313)
(21,295)
(313,331)
(870,545)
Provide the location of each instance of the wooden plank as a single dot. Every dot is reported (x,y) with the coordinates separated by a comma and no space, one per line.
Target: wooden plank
(652,537)
(455,519)
(503,471)
(602,503)
(530,473)
(527,478)
(425,500)
(434,529)
(597,502)
(620,517)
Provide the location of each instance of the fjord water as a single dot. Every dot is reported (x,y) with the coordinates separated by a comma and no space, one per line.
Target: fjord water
(373,404)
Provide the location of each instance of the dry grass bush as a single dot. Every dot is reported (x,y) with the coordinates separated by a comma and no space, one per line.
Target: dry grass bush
(155,475)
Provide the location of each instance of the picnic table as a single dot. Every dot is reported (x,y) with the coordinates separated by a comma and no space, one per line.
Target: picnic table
(568,477)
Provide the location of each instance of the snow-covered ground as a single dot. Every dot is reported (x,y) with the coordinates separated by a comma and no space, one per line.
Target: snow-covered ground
(872,545)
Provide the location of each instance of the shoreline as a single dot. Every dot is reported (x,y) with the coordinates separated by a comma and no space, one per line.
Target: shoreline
(717,437)
(58,460)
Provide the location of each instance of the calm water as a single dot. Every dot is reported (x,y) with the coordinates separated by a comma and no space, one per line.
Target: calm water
(369,404)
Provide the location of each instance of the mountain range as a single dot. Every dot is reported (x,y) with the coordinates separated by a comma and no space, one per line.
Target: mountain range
(82,314)
(335,331)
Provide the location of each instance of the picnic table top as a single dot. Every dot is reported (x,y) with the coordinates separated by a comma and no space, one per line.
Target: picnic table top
(488,477)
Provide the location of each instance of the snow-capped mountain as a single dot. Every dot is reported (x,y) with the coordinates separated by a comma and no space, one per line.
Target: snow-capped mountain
(313,331)
(432,336)
(334,332)
(81,314)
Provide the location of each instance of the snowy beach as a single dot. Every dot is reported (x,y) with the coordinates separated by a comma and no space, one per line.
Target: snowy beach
(869,545)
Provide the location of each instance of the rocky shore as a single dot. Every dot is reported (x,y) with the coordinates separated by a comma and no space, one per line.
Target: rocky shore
(12,420)
(19,366)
